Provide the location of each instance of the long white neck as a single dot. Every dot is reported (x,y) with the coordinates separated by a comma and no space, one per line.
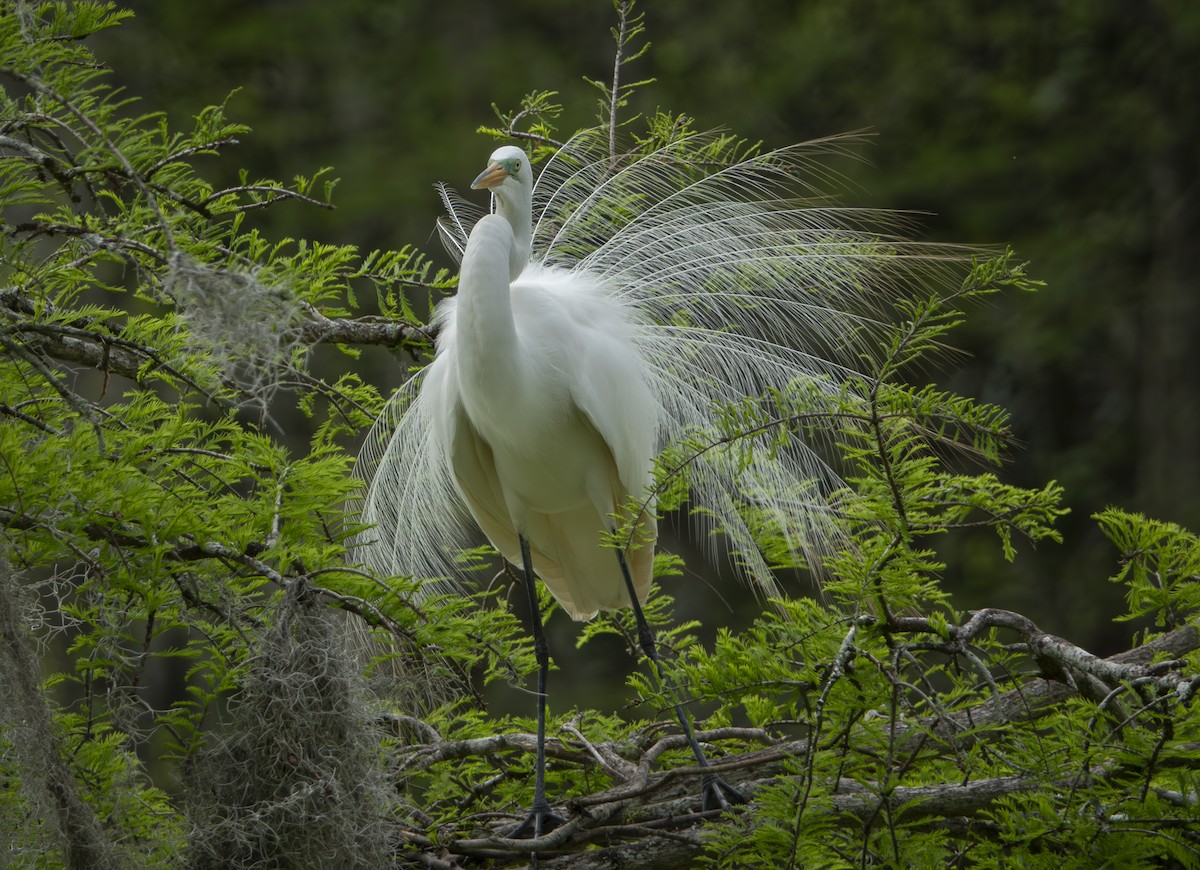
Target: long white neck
(488,351)
(518,211)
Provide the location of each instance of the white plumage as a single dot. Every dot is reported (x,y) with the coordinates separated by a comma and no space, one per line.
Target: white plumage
(617,308)
(543,412)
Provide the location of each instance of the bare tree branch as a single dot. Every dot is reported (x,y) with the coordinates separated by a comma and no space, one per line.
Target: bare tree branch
(649,820)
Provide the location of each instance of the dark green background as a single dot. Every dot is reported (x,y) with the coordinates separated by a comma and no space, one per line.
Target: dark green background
(1068,130)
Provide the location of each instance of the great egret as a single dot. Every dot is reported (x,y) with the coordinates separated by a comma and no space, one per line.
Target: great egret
(649,296)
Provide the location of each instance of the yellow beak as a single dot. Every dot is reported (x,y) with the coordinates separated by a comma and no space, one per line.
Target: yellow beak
(490,177)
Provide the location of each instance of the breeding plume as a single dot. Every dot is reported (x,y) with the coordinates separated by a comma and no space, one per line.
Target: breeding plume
(614,309)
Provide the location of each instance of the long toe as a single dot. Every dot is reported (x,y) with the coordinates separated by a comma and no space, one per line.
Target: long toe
(720,795)
(541,820)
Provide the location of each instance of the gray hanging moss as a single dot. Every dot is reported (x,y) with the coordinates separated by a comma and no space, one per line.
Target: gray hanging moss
(294,780)
(249,330)
(42,813)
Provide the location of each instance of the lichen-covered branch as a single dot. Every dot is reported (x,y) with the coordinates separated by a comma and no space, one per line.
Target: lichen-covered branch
(31,734)
(98,348)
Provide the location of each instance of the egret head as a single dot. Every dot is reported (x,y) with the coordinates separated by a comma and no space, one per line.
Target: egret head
(510,179)
(508,172)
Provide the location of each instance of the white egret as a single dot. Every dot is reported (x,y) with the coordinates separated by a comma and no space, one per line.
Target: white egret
(614,310)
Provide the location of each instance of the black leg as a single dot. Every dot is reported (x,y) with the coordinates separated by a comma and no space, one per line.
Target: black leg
(718,794)
(541,819)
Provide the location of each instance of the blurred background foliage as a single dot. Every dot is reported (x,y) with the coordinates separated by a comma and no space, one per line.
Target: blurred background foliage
(1068,130)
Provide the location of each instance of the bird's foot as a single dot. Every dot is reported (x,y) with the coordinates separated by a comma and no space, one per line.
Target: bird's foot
(720,795)
(541,820)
